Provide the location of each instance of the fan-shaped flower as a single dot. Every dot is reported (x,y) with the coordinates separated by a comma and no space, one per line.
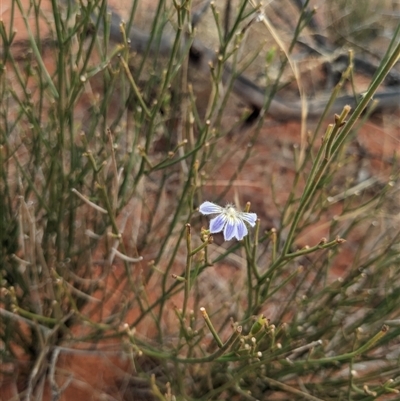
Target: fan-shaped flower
(229,220)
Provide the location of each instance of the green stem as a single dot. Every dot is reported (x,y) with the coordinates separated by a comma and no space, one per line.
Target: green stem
(188,269)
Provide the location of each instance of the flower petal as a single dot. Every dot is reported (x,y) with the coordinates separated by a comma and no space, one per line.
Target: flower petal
(210,208)
(250,218)
(230,230)
(217,223)
(241,230)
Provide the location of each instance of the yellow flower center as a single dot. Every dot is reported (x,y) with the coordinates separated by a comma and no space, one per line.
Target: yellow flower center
(231,212)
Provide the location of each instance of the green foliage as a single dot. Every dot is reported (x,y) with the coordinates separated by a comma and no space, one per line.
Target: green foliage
(103,162)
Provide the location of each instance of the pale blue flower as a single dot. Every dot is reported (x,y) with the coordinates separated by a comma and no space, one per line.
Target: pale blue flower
(229,220)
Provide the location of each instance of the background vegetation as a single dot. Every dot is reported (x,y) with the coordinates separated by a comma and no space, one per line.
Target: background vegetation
(107,152)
